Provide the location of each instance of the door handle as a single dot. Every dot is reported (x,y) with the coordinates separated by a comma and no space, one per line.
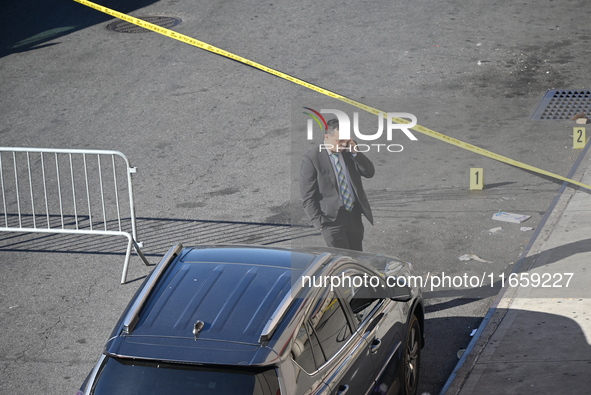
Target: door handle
(375,345)
(343,389)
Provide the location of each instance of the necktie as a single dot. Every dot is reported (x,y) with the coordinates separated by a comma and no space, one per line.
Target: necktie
(343,186)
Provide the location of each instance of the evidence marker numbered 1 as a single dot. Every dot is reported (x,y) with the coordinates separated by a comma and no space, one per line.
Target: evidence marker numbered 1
(476,179)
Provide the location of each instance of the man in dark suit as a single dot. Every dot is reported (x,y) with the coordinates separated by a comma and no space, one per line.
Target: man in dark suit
(332,191)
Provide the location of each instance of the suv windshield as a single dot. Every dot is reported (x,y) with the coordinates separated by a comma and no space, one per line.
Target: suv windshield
(132,377)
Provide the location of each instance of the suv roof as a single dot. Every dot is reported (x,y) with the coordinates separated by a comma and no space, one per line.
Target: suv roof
(224,296)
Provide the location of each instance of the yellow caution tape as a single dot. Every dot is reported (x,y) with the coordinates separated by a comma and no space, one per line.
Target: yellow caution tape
(418,128)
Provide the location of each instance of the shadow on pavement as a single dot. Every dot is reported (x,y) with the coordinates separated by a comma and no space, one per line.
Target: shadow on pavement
(30,24)
(557,344)
(455,297)
(525,341)
(157,235)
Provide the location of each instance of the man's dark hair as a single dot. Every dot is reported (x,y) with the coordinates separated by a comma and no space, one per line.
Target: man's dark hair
(332,125)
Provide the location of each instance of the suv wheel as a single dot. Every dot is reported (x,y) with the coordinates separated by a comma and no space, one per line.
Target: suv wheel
(412,357)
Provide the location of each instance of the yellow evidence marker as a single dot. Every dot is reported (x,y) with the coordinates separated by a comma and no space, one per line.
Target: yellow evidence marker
(579,138)
(476,178)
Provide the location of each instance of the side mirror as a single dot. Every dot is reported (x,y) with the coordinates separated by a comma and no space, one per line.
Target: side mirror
(400,292)
(363,298)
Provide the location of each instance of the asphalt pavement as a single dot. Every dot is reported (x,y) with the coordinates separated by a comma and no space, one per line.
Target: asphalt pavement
(217,146)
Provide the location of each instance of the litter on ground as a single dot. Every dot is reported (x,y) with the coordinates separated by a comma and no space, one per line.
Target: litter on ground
(510,217)
(472,257)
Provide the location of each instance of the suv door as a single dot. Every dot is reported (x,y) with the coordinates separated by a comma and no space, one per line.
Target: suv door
(380,321)
(341,356)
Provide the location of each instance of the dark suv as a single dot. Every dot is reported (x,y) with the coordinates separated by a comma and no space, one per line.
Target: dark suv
(261,321)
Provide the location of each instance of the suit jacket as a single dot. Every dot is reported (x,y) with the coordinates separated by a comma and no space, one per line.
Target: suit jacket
(319,187)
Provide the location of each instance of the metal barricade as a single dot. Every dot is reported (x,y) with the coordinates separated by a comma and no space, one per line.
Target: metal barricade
(68,191)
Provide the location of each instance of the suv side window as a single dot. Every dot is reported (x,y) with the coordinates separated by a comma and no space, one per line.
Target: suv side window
(322,335)
(305,350)
(330,326)
(362,299)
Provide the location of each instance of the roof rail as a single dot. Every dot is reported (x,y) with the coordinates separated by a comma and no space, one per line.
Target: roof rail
(133,314)
(287,301)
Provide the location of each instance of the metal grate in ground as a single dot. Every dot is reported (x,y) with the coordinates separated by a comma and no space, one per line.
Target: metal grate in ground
(559,105)
(126,27)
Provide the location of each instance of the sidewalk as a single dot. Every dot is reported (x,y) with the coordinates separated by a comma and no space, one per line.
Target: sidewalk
(538,339)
